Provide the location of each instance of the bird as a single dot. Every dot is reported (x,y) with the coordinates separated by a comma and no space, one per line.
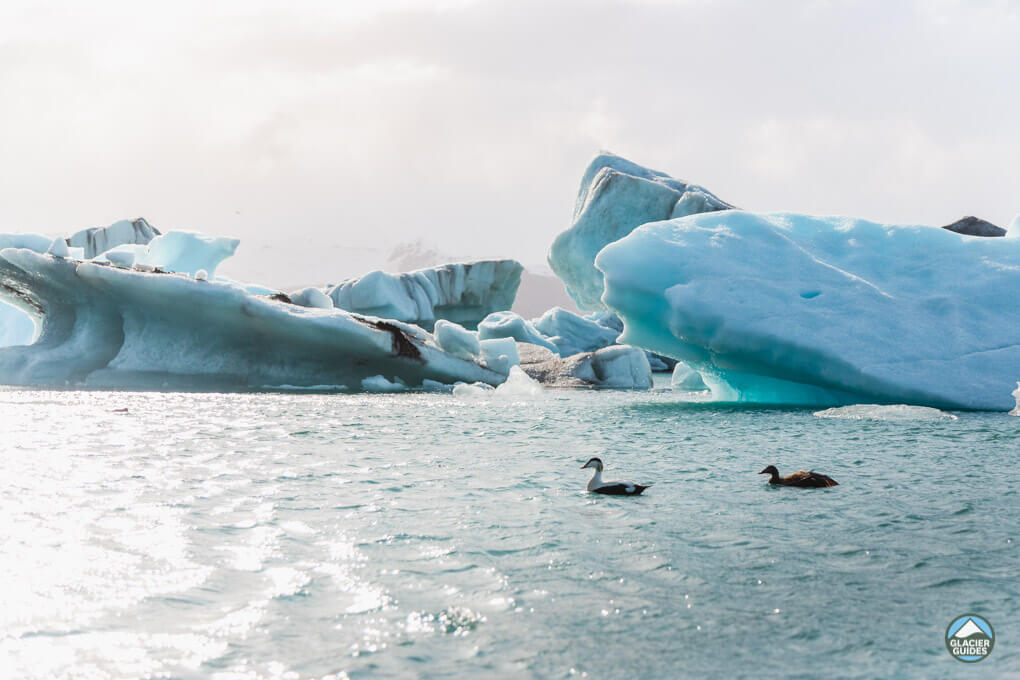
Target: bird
(802,478)
(596,485)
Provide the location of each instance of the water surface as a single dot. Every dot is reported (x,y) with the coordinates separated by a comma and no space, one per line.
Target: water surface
(377,536)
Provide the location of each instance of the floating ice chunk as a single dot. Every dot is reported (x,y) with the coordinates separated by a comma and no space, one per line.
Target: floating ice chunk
(464,293)
(457,340)
(311,297)
(58,247)
(894,412)
(572,334)
(518,384)
(499,354)
(511,325)
(378,383)
(686,379)
(616,197)
(473,390)
(1016,397)
(771,308)
(97,240)
(201,275)
(618,366)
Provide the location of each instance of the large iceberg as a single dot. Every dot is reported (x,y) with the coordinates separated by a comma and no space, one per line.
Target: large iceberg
(791,308)
(464,293)
(616,197)
(110,326)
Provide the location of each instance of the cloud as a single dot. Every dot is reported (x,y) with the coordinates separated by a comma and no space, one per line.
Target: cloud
(469,123)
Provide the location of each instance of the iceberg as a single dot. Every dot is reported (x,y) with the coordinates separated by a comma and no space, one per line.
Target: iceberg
(112,327)
(686,379)
(572,333)
(616,197)
(616,367)
(511,325)
(464,293)
(797,309)
(97,240)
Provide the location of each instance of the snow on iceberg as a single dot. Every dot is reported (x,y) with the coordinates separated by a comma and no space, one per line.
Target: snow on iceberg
(464,293)
(105,326)
(616,197)
(796,309)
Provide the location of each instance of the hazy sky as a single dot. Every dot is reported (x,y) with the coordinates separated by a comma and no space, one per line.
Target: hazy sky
(304,126)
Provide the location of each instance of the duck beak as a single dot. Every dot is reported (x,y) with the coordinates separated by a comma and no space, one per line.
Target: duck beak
(584,466)
(763,472)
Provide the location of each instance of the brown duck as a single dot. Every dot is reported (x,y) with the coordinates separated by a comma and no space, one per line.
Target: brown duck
(803,478)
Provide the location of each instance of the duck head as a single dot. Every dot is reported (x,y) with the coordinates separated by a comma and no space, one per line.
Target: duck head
(770,470)
(593,463)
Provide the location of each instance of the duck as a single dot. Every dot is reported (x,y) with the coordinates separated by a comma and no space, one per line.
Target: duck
(596,485)
(807,479)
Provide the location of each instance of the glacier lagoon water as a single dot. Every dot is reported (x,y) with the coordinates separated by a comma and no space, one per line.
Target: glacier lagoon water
(409,535)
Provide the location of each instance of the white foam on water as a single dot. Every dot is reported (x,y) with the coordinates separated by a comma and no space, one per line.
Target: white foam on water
(893,412)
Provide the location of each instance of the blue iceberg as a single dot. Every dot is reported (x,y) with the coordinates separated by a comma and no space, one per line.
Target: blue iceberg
(797,309)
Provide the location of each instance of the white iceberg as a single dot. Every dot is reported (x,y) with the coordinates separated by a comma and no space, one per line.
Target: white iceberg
(517,385)
(572,333)
(97,240)
(378,383)
(616,197)
(105,326)
(795,309)
(464,293)
(511,325)
(686,379)
(615,367)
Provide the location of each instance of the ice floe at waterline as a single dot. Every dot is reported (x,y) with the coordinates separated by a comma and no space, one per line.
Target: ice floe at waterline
(893,412)
(517,385)
(1016,397)
(796,309)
